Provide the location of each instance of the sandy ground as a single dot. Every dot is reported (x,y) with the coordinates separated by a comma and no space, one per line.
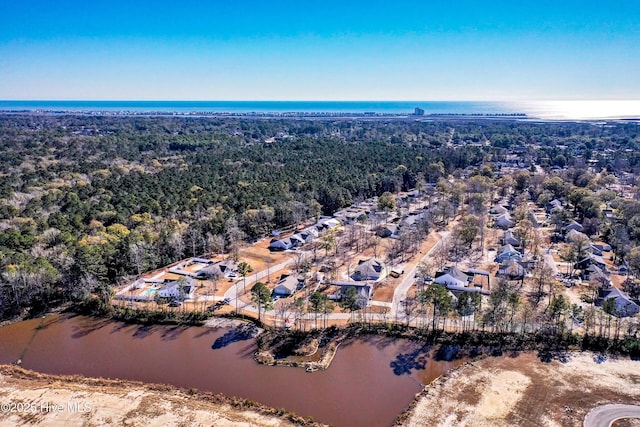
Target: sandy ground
(43,400)
(524,391)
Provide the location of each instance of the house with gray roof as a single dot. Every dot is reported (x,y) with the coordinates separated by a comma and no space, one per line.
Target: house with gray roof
(509,239)
(624,306)
(371,269)
(512,270)
(453,276)
(504,222)
(508,252)
(288,285)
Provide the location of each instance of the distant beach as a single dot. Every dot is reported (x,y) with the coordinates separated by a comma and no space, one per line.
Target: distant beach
(546,110)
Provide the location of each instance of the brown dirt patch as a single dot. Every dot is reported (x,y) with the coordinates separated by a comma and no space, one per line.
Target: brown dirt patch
(523,391)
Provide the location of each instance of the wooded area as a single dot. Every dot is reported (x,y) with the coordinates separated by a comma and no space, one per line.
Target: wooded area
(86,201)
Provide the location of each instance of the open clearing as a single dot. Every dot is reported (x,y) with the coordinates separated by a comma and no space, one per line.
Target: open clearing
(524,391)
(114,402)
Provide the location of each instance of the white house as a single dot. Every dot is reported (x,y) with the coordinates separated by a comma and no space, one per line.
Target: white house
(181,289)
(452,277)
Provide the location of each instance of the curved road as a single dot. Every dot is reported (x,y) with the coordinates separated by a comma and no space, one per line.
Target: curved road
(604,415)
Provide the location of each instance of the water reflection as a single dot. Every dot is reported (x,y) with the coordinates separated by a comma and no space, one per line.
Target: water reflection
(370,381)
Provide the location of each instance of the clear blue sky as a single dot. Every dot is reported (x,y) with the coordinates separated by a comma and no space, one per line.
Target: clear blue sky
(320,50)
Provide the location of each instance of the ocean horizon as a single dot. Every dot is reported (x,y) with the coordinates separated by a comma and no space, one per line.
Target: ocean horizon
(548,110)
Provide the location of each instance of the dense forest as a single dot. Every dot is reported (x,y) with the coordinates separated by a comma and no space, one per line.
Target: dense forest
(88,200)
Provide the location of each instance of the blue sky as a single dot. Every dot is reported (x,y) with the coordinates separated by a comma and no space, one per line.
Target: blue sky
(311,50)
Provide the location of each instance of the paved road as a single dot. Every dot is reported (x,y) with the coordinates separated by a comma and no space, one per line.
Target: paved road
(604,415)
(400,293)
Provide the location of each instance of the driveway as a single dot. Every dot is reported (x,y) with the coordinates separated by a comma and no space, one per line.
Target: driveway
(604,415)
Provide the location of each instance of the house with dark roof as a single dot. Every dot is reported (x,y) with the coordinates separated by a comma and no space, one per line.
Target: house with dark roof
(388,230)
(573,225)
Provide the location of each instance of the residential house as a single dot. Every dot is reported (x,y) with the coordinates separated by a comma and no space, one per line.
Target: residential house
(327,224)
(288,285)
(219,269)
(596,274)
(589,260)
(512,269)
(509,239)
(371,269)
(624,306)
(309,233)
(280,244)
(553,205)
(184,288)
(508,252)
(453,276)
(388,230)
(504,222)
(363,293)
(573,225)
(297,240)
(498,210)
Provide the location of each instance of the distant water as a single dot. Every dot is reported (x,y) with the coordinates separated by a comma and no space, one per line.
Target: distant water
(557,110)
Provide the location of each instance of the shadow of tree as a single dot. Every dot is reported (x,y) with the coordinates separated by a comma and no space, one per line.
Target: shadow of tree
(406,363)
(205,331)
(550,353)
(447,353)
(143,331)
(85,327)
(242,333)
(173,332)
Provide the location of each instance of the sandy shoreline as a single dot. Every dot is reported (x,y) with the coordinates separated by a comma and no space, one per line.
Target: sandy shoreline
(47,400)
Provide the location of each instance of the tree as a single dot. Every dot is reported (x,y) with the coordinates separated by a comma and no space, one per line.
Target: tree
(439,298)
(320,303)
(261,296)
(467,230)
(328,242)
(349,300)
(522,180)
(244,269)
(234,237)
(386,202)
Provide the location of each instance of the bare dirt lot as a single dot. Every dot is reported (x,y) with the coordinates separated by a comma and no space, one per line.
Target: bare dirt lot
(44,400)
(524,391)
